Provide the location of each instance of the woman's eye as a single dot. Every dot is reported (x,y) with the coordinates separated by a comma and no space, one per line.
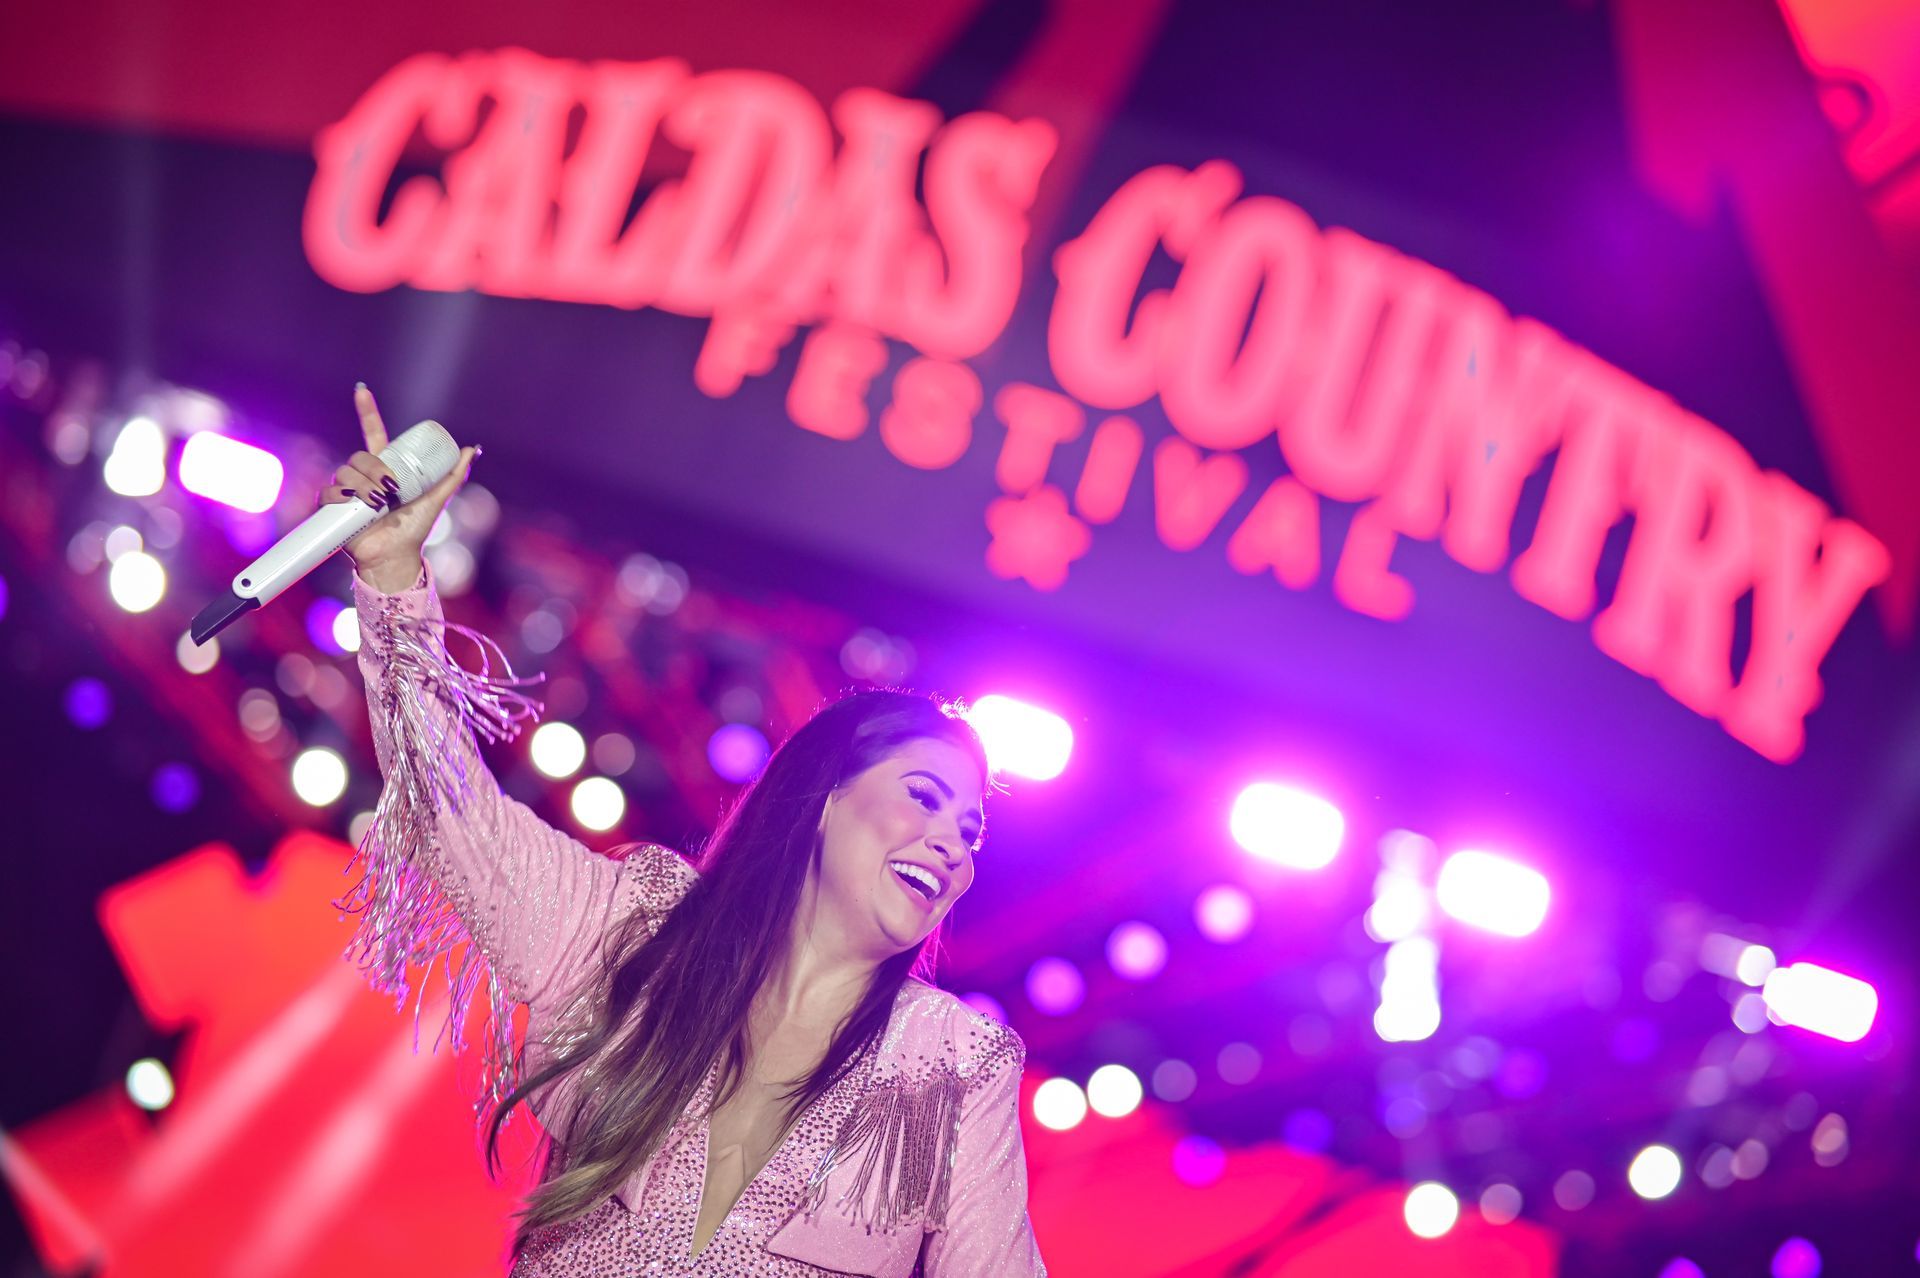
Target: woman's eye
(926,798)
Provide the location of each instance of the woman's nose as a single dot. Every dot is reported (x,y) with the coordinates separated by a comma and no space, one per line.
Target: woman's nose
(948,849)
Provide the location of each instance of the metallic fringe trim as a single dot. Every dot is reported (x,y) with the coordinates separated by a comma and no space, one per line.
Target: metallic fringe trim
(406,916)
(909,1133)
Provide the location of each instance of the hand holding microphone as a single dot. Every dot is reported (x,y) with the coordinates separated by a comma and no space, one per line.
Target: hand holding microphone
(387,552)
(380,508)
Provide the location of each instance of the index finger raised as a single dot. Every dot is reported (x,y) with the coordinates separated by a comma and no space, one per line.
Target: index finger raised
(371,427)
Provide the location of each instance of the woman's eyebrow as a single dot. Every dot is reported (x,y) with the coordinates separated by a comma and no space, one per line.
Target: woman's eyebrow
(944,788)
(922,772)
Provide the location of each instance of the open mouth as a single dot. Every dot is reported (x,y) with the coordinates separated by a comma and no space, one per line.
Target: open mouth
(921,891)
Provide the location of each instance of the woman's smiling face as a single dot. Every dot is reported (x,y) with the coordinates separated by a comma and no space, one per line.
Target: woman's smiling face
(919,807)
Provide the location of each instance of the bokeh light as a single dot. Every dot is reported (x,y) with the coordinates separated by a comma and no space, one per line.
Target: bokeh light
(230,472)
(1059,1104)
(137,581)
(122,540)
(1796,1258)
(175,787)
(737,752)
(1286,826)
(1136,950)
(149,1084)
(319,776)
(1500,1203)
(137,466)
(196,658)
(1431,1209)
(1830,1141)
(1755,964)
(1493,893)
(1409,1007)
(1238,1063)
(557,749)
(598,803)
(1055,986)
(89,704)
(1174,1080)
(1573,1191)
(613,753)
(1114,1091)
(1198,1161)
(985,1004)
(1654,1172)
(1021,738)
(1821,1000)
(1223,913)
(345,630)
(320,618)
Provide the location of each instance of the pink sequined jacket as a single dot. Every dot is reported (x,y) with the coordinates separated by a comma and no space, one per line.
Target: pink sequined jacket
(912,1163)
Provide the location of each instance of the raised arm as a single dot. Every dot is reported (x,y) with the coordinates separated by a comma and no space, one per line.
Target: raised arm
(449,858)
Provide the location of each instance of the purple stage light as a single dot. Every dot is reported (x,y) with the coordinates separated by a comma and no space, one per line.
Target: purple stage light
(985,1004)
(1681,1267)
(1136,951)
(1307,1130)
(738,751)
(321,614)
(1021,738)
(1223,913)
(1493,893)
(1055,986)
(175,788)
(89,704)
(1287,826)
(1173,1081)
(1824,1001)
(1238,1063)
(1198,1161)
(3,598)
(230,472)
(1797,1258)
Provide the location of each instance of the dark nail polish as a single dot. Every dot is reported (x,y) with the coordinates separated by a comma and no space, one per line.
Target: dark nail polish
(349,492)
(375,500)
(392,485)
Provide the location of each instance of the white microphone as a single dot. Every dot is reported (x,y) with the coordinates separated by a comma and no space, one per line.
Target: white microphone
(419,457)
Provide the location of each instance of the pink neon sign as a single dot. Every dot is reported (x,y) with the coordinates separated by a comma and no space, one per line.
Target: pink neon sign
(1382,380)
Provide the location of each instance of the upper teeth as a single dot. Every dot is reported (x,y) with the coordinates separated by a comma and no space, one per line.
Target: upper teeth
(914,871)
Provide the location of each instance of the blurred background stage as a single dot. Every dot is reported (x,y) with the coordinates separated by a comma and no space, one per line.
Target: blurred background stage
(1440,478)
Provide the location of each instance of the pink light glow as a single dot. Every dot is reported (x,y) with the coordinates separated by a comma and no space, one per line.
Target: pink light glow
(1223,913)
(1055,986)
(1826,1002)
(1493,893)
(230,472)
(1022,738)
(1287,826)
(1136,951)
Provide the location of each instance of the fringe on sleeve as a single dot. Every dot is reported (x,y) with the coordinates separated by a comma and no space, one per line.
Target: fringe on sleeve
(411,908)
(904,1134)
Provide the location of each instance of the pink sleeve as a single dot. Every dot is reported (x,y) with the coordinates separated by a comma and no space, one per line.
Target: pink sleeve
(449,857)
(987,1227)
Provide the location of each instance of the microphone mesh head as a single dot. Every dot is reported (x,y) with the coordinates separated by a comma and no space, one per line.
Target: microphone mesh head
(420,457)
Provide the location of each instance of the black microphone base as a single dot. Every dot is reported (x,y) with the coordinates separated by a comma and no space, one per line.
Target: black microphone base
(218,615)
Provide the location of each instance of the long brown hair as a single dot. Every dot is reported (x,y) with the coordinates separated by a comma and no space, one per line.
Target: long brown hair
(701,971)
